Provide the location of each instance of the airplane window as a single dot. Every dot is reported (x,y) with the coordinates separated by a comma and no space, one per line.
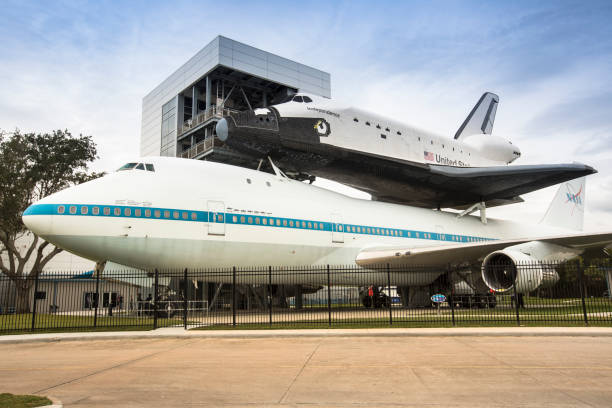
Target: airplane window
(387,130)
(150,167)
(298,99)
(185,216)
(166,214)
(194,216)
(84,210)
(60,209)
(367,123)
(278,222)
(127,212)
(309,224)
(157,213)
(268,184)
(248,180)
(307,99)
(106,211)
(72,209)
(137,212)
(127,166)
(291,223)
(419,138)
(316,226)
(383,136)
(284,223)
(377,126)
(250,220)
(219,217)
(242,219)
(234,219)
(443,146)
(140,166)
(117,211)
(175,215)
(399,133)
(264,221)
(147,213)
(257,220)
(95,211)
(321,226)
(431,141)
(303,224)
(355,120)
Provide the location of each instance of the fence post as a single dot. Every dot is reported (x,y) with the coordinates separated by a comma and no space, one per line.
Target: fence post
(329,319)
(97,297)
(34,302)
(234,296)
(582,293)
(516,303)
(390,298)
(451,299)
(155,299)
(270,293)
(185,302)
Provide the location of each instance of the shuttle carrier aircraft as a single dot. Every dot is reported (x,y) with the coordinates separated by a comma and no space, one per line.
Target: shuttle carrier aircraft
(180,213)
(394,162)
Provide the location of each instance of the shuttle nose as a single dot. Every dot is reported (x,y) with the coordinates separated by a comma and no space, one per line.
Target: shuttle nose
(222,130)
(37,219)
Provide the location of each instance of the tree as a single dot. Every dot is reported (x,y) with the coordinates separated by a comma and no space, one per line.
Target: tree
(32,166)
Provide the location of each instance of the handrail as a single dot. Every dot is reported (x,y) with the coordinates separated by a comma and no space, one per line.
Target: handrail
(204,116)
(195,150)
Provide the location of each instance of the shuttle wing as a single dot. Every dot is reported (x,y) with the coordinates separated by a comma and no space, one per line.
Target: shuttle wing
(455,254)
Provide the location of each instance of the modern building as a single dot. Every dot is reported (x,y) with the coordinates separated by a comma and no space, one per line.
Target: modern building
(180,114)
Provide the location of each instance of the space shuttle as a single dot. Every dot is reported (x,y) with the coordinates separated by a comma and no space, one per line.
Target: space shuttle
(309,136)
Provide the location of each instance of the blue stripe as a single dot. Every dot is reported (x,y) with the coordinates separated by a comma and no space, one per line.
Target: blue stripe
(173,214)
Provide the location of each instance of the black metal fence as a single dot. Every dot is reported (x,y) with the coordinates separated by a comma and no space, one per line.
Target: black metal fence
(326,296)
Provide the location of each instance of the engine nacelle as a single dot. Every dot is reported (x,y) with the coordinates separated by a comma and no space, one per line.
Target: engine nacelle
(502,270)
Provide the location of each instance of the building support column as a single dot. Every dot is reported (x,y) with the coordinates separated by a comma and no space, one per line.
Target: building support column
(208,89)
(194,102)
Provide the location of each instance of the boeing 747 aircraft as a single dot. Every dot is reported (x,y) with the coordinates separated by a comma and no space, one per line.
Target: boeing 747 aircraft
(179,213)
(394,162)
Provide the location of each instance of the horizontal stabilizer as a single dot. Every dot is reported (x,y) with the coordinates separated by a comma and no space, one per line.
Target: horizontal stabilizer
(481,118)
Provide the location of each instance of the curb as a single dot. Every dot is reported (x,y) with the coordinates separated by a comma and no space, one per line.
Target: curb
(55,403)
(255,334)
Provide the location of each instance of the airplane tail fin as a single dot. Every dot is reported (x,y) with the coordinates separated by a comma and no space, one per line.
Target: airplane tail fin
(481,118)
(567,208)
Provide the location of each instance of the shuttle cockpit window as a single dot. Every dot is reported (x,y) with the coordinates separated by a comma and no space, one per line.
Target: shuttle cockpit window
(306,99)
(298,98)
(137,166)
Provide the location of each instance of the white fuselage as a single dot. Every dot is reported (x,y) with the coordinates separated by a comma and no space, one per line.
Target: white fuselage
(196,214)
(358,130)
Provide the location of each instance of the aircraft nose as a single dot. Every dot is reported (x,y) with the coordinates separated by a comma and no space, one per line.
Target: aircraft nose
(37,218)
(222,130)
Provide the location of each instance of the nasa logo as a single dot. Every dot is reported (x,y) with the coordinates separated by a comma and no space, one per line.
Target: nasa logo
(322,127)
(574,198)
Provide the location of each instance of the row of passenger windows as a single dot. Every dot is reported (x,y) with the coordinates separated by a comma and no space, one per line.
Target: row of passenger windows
(185,215)
(138,212)
(384,136)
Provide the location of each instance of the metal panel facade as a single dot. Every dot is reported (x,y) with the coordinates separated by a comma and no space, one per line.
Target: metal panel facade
(235,55)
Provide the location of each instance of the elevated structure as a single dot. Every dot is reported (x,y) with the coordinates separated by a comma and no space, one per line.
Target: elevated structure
(180,114)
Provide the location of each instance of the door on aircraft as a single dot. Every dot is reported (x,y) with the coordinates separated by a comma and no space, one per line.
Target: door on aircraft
(216,218)
(337,228)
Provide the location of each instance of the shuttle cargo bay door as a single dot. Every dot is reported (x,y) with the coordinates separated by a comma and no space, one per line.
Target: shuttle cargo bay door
(216,218)
(337,228)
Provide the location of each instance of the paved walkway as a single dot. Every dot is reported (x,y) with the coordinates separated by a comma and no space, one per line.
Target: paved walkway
(372,370)
(179,332)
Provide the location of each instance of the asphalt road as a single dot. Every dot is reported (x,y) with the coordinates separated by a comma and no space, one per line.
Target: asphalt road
(313,371)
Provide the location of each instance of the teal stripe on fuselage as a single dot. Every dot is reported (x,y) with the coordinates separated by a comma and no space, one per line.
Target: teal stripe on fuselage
(173,214)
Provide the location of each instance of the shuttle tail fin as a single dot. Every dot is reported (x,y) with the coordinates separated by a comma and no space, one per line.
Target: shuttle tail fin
(567,208)
(481,118)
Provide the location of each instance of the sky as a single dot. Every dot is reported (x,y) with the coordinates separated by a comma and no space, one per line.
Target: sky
(86,65)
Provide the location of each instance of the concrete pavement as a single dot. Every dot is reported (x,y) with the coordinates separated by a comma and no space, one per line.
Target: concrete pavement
(368,370)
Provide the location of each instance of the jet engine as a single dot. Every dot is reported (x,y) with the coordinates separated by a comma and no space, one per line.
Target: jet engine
(502,270)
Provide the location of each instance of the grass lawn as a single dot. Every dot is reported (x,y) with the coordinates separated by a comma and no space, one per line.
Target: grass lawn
(23,401)
(22,323)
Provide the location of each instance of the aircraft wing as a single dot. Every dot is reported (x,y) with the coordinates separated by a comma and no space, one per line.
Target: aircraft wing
(455,254)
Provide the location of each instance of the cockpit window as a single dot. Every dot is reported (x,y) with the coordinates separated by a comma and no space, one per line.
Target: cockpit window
(307,99)
(298,98)
(127,166)
(137,166)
